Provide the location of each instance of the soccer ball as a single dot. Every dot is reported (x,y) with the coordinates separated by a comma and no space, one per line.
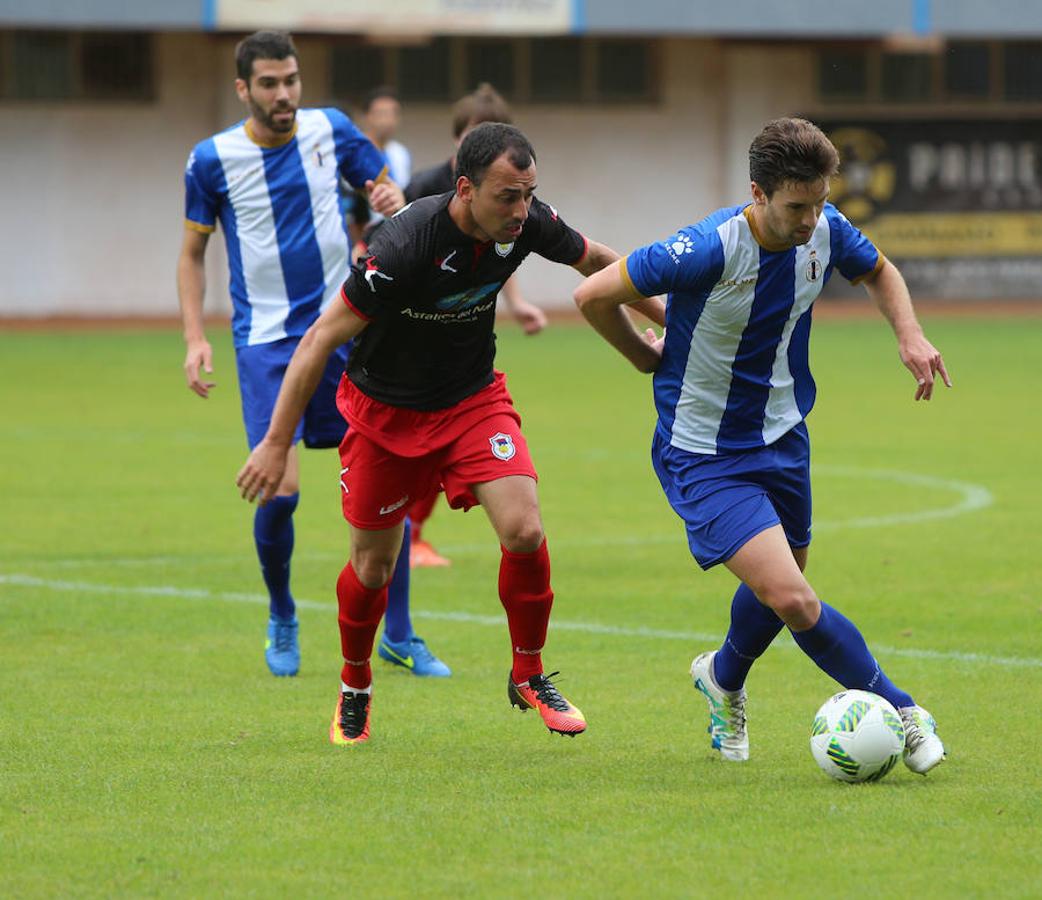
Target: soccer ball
(857,736)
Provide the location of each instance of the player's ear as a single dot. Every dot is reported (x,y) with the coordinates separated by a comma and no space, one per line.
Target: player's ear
(464,188)
(242,89)
(759,196)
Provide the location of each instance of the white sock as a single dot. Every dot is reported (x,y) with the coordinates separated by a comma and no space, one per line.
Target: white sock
(354,690)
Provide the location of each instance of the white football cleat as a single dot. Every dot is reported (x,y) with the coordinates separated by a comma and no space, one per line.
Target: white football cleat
(923,749)
(726,711)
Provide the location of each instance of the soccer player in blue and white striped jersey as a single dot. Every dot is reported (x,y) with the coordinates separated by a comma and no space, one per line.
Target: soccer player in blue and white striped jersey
(732,389)
(271,181)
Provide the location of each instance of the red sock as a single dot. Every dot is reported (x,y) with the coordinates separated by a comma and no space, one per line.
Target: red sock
(361,609)
(524,590)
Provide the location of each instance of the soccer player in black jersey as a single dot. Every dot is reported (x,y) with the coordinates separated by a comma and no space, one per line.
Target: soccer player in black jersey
(425,405)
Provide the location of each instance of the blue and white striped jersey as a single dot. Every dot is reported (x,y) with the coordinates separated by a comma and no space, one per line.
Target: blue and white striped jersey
(278,208)
(734,372)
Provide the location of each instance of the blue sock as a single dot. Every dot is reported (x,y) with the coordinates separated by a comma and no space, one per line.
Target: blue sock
(273,535)
(397,624)
(753,627)
(839,650)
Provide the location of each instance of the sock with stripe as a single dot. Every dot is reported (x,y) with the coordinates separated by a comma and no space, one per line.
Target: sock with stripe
(839,650)
(360,611)
(524,591)
(753,627)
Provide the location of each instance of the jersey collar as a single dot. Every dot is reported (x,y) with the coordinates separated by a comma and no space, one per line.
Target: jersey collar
(278,142)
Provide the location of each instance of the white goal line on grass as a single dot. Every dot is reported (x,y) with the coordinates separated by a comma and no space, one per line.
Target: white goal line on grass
(498,621)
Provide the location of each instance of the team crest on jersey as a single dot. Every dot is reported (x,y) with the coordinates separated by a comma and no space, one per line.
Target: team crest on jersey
(678,245)
(505,250)
(813,267)
(502,446)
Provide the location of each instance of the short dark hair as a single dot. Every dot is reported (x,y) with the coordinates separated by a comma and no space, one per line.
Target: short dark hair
(262,45)
(383,92)
(486,143)
(791,150)
(483,105)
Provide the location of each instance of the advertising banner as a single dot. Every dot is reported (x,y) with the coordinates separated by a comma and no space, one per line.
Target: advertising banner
(400,17)
(957,205)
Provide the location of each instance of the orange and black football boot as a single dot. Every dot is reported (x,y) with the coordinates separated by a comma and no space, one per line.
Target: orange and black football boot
(350,723)
(539,693)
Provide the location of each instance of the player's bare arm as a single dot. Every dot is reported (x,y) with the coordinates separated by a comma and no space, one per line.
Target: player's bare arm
(602,299)
(598,257)
(384,195)
(529,316)
(262,474)
(888,289)
(191,287)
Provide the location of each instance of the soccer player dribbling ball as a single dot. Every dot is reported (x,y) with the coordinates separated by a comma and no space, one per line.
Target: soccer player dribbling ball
(732,388)
(425,405)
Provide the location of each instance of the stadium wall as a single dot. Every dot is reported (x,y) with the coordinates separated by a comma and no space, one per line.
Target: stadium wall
(97,188)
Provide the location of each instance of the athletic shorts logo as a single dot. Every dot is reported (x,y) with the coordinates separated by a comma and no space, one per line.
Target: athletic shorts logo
(391,507)
(343,484)
(505,250)
(502,446)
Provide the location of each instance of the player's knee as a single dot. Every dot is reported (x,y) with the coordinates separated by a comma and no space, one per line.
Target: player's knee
(795,604)
(524,535)
(373,570)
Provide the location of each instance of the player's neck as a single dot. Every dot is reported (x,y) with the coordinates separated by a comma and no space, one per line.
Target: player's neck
(756,216)
(459,212)
(265,137)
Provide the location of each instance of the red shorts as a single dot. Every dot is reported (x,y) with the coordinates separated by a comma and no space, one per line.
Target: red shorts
(378,486)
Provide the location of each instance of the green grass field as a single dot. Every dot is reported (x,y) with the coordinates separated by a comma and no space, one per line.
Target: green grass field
(145,751)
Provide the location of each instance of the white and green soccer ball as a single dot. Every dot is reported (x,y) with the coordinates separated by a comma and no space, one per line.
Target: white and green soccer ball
(857,736)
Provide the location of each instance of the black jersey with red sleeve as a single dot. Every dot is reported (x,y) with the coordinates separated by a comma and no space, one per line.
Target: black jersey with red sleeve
(428,291)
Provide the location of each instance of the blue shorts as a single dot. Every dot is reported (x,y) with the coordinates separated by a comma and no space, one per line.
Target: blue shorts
(261,370)
(728,499)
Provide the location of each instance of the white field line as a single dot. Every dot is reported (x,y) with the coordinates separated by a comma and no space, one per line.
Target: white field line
(86,587)
(970,498)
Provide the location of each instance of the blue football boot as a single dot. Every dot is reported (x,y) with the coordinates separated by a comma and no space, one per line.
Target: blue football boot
(413,654)
(282,652)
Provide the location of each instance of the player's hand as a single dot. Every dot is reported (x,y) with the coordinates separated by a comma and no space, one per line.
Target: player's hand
(262,474)
(646,362)
(923,360)
(386,197)
(531,318)
(655,342)
(199,355)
